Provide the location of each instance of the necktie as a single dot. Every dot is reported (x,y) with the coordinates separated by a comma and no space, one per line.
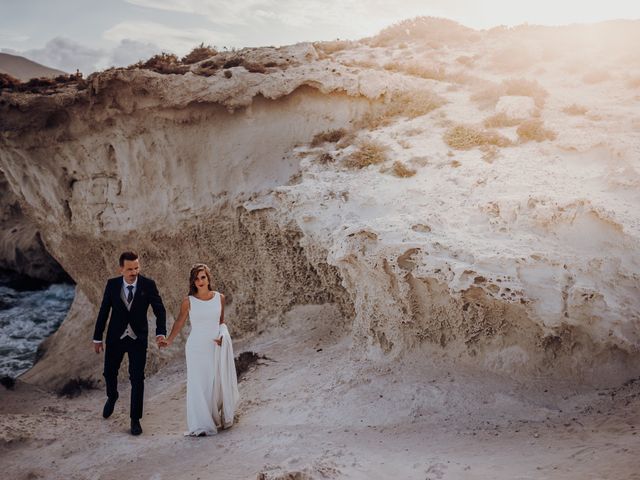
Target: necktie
(130,295)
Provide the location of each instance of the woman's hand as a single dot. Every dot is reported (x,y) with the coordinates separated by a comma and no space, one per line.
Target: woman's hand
(218,340)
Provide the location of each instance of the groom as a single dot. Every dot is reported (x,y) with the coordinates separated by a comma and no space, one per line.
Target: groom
(128,298)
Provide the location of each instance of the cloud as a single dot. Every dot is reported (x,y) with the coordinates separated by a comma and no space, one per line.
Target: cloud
(259,22)
(228,12)
(175,40)
(128,52)
(12,37)
(355,18)
(65,54)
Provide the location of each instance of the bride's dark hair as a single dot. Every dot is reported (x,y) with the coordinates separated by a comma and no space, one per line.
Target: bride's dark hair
(195,270)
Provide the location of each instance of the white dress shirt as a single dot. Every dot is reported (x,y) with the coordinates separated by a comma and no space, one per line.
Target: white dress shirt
(125,293)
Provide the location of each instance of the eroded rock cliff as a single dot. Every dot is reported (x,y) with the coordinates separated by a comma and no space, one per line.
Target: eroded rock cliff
(513,255)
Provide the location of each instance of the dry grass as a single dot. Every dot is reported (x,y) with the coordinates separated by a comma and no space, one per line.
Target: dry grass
(489,96)
(368,152)
(633,82)
(466,60)
(575,109)
(534,130)
(235,61)
(465,137)
(334,46)
(44,85)
(325,158)
(165,63)
(414,104)
(399,169)
(501,120)
(516,58)
(8,82)
(331,136)
(347,140)
(527,88)
(429,72)
(410,104)
(596,76)
(201,52)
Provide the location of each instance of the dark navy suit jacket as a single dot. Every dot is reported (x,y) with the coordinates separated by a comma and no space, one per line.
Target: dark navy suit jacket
(146,294)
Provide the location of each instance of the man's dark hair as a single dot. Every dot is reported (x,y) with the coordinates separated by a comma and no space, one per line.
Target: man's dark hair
(131,256)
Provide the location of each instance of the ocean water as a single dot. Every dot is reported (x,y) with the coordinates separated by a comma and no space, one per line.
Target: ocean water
(26,318)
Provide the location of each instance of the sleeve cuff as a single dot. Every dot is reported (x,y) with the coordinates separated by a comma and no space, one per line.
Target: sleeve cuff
(161,335)
(97,341)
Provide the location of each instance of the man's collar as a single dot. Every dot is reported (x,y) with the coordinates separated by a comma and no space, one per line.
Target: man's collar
(124,282)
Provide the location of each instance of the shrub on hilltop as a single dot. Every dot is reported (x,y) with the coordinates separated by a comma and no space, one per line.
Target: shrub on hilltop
(329,47)
(201,52)
(165,63)
(8,82)
(40,84)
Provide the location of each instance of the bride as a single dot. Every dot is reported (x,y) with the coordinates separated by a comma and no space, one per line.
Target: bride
(212,388)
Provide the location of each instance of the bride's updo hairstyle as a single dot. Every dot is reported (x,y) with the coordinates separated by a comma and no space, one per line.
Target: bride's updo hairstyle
(195,271)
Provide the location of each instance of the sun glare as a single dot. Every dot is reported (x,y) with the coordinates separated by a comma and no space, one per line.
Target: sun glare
(544,12)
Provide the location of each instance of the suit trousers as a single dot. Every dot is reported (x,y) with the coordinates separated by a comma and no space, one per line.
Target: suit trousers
(114,353)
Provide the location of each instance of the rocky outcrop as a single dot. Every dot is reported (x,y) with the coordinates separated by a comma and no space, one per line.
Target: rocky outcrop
(517,257)
(169,179)
(22,250)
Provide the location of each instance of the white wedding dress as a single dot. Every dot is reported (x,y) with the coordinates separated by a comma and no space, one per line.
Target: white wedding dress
(212,389)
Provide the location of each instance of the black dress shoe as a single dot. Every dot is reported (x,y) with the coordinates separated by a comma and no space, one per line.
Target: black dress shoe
(108,407)
(136,428)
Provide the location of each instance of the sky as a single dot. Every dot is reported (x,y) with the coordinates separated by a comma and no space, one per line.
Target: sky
(91,35)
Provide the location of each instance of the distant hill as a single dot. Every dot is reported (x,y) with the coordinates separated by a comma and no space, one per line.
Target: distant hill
(24,69)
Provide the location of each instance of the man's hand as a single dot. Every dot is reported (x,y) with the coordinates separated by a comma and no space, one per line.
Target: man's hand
(218,340)
(98,347)
(161,341)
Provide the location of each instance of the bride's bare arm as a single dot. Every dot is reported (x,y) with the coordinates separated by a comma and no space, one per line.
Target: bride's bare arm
(219,339)
(179,323)
(221,309)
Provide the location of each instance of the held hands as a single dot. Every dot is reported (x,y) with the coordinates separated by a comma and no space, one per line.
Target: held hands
(218,340)
(163,342)
(98,347)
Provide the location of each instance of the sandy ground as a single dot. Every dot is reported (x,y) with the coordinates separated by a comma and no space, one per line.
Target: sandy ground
(311,411)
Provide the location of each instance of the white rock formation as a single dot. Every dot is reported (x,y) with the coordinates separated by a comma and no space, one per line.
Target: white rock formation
(522,260)
(21,248)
